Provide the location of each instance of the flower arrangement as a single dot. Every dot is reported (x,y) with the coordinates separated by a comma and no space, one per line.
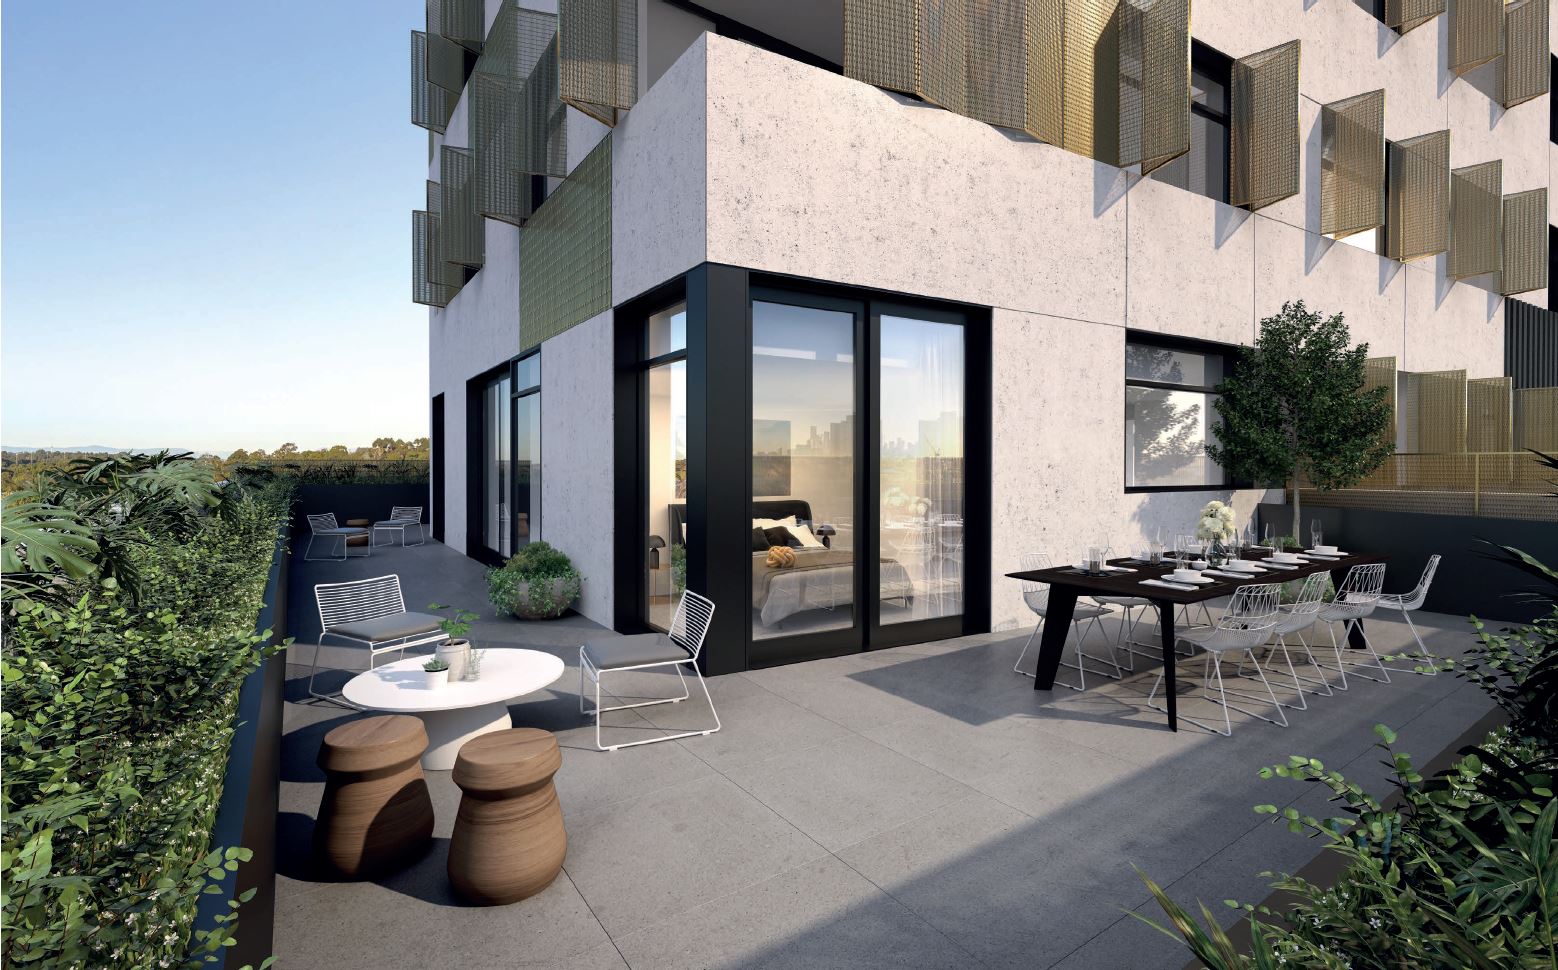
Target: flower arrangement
(1216,522)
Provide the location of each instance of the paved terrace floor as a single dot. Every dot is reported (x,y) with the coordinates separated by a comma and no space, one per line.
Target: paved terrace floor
(913,807)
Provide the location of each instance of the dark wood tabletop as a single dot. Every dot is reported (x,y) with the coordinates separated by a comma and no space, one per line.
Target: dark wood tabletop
(1130,584)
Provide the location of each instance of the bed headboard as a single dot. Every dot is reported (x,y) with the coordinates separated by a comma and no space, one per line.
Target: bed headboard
(772,508)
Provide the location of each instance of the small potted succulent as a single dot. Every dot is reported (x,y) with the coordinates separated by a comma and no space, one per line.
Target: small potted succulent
(456,649)
(435,673)
(538,582)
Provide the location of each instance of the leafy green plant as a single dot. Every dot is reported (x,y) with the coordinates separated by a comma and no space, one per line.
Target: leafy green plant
(1295,407)
(679,568)
(537,582)
(458,623)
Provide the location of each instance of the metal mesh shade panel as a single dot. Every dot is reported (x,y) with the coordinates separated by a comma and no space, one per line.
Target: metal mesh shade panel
(1352,164)
(1536,418)
(461,236)
(1476,33)
(1404,15)
(1090,101)
(598,48)
(1263,136)
(565,253)
(438,271)
(462,21)
(921,47)
(544,135)
(1044,83)
(879,42)
(1417,218)
(431,105)
(1381,372)
(1476,219)
(1437,402)
(1525,242)
(445,64)
(1154,69)
(997,62)
(502,190)
(424,246)
(1527,69)
(1489,418)
(1507,486)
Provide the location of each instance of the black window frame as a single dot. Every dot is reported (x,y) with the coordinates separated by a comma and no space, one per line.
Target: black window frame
(1230,357)
(1218,68)
(475,444)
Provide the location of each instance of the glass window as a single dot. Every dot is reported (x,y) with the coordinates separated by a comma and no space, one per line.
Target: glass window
(668,331)
(527,374)
(496,436)
(1170,412)
(803,468)
(1204,169)
(921,417)
(527,467)
(666,560)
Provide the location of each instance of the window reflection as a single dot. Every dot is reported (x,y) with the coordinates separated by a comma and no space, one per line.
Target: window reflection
(495,466)
(666,544)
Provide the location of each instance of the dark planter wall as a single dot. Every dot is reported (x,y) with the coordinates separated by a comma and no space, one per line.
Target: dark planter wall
(1466,582)
(356,501)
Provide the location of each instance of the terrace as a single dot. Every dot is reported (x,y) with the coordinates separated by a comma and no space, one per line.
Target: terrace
(919,806)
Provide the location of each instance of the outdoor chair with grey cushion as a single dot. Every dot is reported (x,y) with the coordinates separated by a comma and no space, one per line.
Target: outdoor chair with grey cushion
(326,526)
(651,651)
(402,517)
(370,613)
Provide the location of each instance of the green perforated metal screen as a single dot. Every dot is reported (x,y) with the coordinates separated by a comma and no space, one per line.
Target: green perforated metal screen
(1527,70)
(424,245)
(1476,33)
(1352,164)
(1525,242)
(462,21)
(461,237)
(565,253)
(1476,219)
(1417,198)
(439,271)
(431,105)
(1263,151)
(598,56)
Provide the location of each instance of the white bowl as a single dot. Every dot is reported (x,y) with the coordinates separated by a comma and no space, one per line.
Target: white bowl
(1327,550)
(1185,575)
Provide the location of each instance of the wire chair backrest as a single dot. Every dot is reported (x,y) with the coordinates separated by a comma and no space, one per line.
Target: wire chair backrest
(1034,593)
(1414,599)
(322,523)
(406,513)
(1360,592)
(690,623)
(1311,595)
(361,599)
(1249,618)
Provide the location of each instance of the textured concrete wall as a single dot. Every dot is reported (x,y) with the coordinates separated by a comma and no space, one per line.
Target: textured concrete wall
(576,456)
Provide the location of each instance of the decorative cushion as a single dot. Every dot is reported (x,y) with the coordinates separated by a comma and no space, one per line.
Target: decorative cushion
(781,557)
(803,535)
(759,541)
(779,536)
(630,651)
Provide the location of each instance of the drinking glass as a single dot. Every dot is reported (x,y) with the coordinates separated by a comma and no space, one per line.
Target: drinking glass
(1155,551)
(1316,534)
(1270,535)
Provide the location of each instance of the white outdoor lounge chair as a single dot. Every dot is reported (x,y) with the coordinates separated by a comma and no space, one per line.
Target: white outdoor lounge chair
(369,613)
(402,517)
(326,526)
(651,651)
(1242,627)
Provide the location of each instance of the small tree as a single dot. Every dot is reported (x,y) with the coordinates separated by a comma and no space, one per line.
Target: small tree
(1295,406)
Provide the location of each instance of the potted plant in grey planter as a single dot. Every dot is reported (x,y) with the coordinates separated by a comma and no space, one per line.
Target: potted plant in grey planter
(537,583)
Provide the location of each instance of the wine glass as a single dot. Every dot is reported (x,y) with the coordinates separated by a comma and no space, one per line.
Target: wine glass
(1269,535)
(1316,533)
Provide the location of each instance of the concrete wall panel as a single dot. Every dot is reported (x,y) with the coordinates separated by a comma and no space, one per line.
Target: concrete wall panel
(1450,326)
(1191,265)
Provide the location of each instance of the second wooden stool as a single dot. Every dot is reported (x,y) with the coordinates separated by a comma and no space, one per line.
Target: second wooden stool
(508,840)
(376,815)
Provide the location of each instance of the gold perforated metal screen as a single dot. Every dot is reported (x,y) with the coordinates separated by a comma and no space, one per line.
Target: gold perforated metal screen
(1476,33)
(424,245)
(431,105)
(1476,219)
(462,21)
(1536,419)
(1525,242)
(879,42)
(1437,401)
(1417,210)
(1381,372)
(1045,84)
(942,57)
(1507,486)
(565,253)
(1527,70)
(922,47)
(1090,118)
(461,234)
(1352,164)
(598,56)
(1404,15)
(1263,139)
(997,62)
(1489,421)
(1154,80)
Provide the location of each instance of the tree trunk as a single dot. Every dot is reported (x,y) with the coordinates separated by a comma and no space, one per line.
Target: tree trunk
(1298,525)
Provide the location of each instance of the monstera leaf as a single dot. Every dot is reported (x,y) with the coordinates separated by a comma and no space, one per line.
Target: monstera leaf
(39,538)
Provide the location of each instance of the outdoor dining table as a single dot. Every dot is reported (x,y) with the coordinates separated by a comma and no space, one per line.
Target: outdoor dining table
(1067,583)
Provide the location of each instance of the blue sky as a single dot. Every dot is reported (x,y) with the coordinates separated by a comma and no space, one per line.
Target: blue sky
(206,224)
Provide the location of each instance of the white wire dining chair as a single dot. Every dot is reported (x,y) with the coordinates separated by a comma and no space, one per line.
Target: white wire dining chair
(402,517)
(1242,627)
(1406,603)
(651,651)
(1296,619)
(325,525)
(1036,596)
(369,613)
(1355,601)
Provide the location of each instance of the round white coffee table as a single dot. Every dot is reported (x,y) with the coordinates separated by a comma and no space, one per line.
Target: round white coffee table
(459,711)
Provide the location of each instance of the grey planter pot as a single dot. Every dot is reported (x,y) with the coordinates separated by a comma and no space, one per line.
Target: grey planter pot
(546,603)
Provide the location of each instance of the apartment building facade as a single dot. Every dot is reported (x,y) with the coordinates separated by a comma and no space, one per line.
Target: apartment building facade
(928,284)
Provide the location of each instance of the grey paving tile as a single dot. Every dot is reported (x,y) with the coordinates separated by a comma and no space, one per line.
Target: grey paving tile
(821,914)
(755,723)
(590,778)
(847,789)
(641,860)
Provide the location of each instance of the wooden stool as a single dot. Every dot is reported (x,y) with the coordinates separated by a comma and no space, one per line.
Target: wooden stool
(508,838)
(376,815)
(360,524)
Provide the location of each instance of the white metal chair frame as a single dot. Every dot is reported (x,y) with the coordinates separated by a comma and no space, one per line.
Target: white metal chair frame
(1406,603)
(402,517)
(1357,599)
(1243,626)
(1036,596)
(353,602)
(689,625)
(1296,619)
(326,525)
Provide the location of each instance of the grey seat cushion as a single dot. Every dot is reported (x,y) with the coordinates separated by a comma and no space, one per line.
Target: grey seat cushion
(396,522)
(345,530)
(630,651)
(397,626)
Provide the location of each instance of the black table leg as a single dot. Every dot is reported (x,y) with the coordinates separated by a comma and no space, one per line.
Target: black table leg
(1355,638)
(1057,622)
(1166,631)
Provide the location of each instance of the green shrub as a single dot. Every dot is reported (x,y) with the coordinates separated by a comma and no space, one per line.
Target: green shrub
(117,717)
(537,581)
(326,471)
